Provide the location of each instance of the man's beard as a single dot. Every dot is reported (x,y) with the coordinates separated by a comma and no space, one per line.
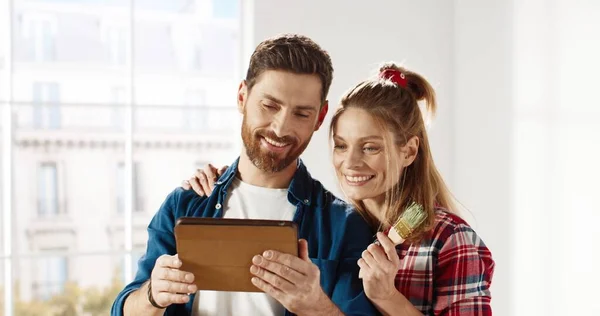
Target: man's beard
(266,160)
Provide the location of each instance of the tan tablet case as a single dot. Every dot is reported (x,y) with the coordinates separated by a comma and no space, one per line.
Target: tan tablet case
(219,251)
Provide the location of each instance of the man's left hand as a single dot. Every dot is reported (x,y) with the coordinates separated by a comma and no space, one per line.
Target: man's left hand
(294,282)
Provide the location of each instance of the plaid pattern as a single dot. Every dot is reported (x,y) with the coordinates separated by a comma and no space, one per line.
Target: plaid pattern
(449,273)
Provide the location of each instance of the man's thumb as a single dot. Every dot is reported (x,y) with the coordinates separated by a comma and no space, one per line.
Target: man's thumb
(303,250)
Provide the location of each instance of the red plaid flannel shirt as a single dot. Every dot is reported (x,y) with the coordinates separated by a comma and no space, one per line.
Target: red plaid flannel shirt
(449,272)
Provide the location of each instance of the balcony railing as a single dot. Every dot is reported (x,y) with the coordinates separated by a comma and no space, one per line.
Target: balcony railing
(110,118)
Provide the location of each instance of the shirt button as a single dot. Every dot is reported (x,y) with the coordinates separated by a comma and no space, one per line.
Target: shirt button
(306,201)
(218,206)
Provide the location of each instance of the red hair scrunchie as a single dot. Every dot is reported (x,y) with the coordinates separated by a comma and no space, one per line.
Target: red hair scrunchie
(395,76)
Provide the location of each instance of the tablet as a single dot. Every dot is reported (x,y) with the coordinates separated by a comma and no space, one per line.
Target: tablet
(219,251)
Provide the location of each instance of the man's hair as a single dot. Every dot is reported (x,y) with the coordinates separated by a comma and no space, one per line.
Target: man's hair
(290,52)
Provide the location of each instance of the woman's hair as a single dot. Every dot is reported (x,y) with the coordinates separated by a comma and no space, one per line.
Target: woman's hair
(392,99)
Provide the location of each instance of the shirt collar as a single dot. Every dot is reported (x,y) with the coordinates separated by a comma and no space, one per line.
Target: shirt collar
(299,190)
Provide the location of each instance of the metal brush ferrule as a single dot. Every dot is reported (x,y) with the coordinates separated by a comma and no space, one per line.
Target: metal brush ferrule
(402,229)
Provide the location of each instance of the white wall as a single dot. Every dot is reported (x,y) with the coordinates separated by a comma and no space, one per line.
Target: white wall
(449,43)
(483,128)
(361,35)
(464,49)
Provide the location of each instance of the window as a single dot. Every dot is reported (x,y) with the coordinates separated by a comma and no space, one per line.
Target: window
(195,116)
(116,44)
(118,100)
(46,109)
(197,57)
(73,82)
(227,9)
(51,276)
(47,190)
(120,187)
(136,255)
(40,31)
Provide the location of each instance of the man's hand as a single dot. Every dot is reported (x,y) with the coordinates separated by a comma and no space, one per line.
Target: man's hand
(203,180)
(294,282)
(169,284)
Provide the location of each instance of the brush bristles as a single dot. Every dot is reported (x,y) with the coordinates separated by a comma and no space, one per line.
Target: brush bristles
(413,216)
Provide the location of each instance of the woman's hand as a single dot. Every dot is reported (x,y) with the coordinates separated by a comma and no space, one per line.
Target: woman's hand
(203,180)
(378,268)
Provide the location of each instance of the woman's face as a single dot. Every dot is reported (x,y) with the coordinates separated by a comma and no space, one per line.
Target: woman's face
(360,156)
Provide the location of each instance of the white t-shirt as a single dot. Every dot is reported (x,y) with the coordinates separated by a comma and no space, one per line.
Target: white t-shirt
(248,202)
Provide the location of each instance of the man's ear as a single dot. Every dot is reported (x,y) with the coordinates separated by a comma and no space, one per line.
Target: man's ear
(322,114)
(242,96)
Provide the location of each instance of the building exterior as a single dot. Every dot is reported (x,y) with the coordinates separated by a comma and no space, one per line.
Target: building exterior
(75,73)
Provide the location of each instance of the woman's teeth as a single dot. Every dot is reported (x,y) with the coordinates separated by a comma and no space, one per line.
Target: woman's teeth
(359,179)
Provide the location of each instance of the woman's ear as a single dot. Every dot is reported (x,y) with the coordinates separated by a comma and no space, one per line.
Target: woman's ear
(410,151)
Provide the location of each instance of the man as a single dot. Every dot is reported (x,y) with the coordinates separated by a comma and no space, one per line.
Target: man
(283,102)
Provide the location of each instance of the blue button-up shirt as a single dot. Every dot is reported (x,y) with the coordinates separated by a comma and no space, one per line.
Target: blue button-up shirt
(336,237)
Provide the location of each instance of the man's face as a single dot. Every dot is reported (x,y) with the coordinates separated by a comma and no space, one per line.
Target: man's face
(281,112)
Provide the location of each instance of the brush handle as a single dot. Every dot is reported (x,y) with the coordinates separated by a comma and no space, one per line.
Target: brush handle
(395,237)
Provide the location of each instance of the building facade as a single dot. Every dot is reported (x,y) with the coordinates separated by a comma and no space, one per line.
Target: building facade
(77,71)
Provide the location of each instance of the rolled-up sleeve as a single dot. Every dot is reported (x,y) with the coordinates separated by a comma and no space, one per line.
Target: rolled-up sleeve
(161,241)
(464,276)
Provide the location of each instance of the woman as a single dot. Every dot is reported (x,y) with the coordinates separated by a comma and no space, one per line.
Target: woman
(383,161)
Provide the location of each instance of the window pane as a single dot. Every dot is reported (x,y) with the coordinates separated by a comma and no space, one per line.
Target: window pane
(73,51)
(2,287)
(68,187)
(47,190)
(138,200)
(2,105)
(64,283)
(137,253)
(185,85)
(3,58)
(70,87)
(185,52)
(4,36)
(226,9)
